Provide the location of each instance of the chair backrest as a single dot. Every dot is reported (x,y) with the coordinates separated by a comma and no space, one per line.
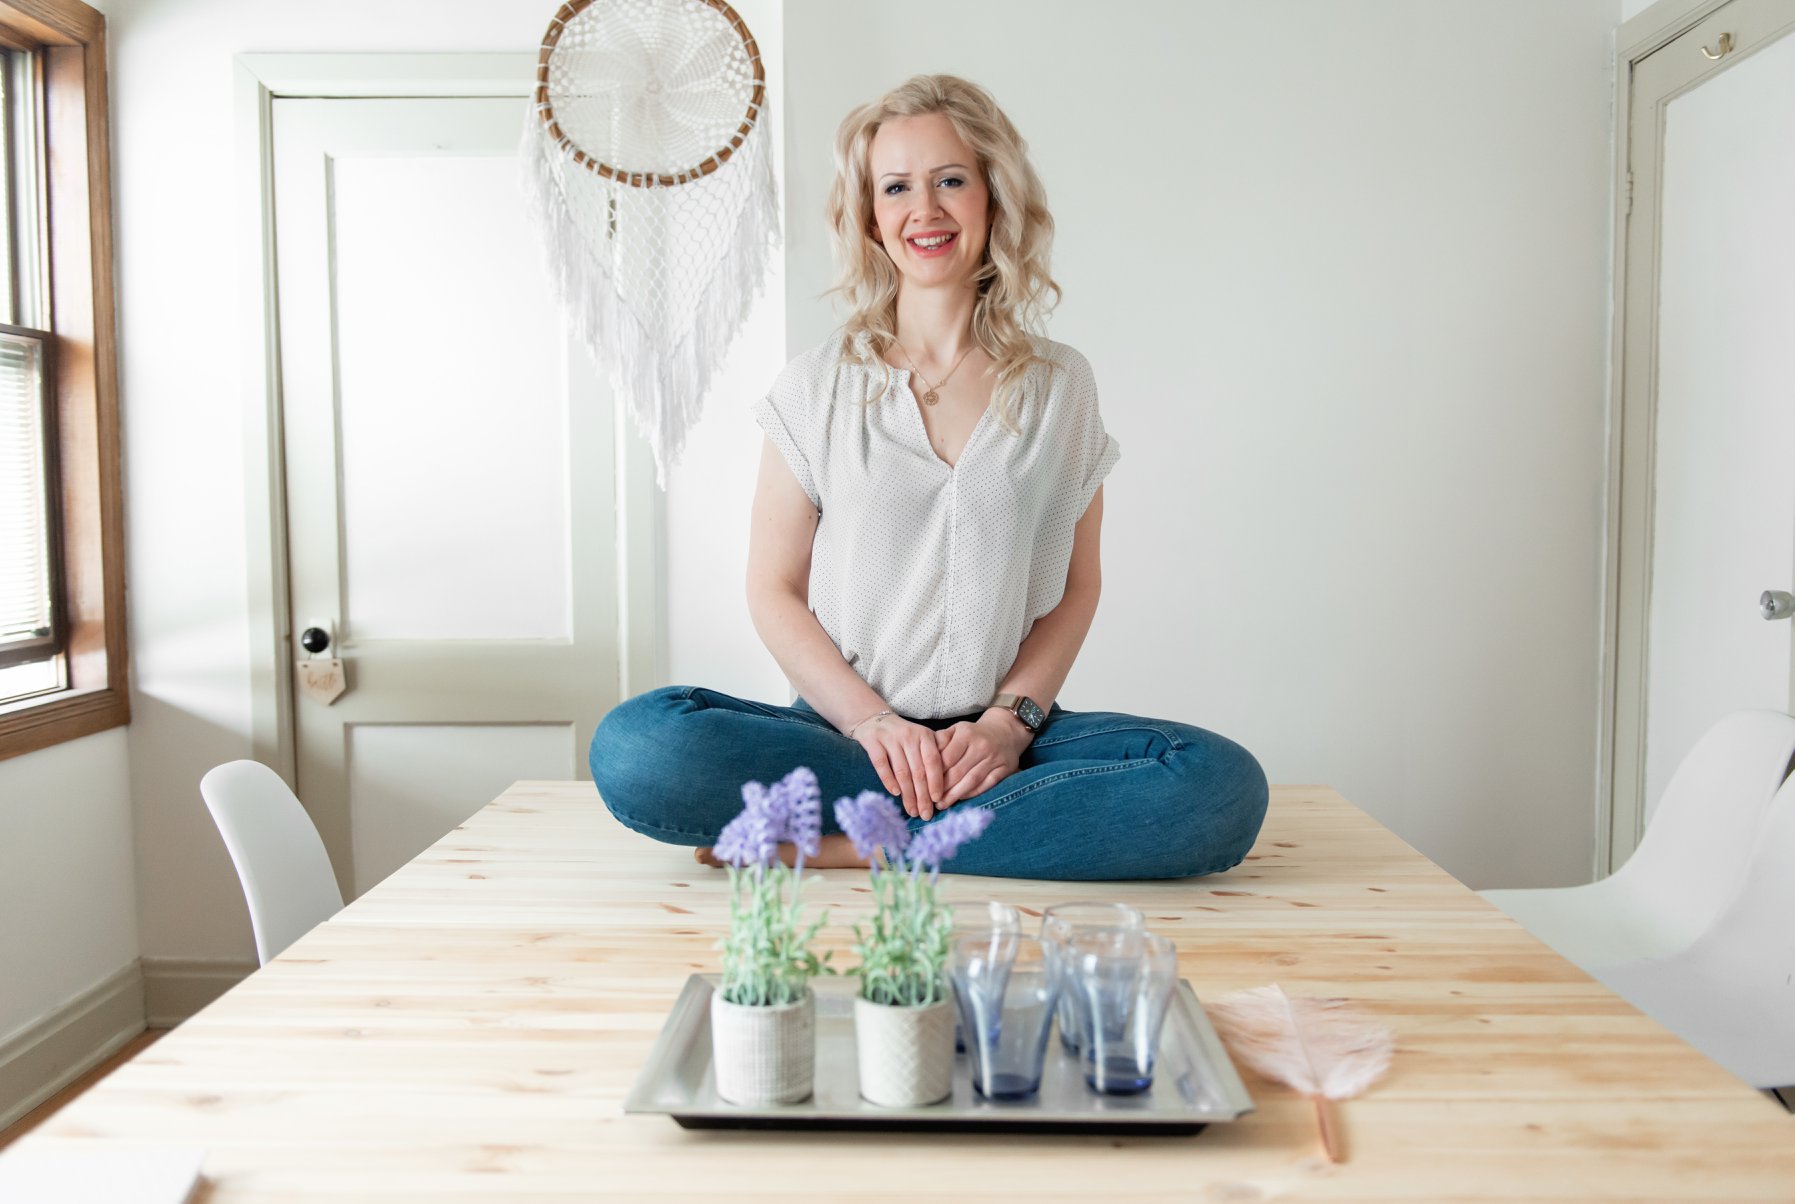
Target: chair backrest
(280,860)
(1732,993)
(1752,950)
(1692,859)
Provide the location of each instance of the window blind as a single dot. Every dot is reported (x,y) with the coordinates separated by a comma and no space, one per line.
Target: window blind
(25,582)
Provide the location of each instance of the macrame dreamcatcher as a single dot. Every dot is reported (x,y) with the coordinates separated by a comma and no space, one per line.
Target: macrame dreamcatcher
(647,167)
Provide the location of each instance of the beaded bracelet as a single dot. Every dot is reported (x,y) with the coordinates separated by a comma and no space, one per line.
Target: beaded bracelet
(868,719)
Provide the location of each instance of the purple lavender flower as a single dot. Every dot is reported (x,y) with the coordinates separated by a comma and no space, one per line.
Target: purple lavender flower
(804,810)
(937,842)
(748,839)
(872,821)
(770,801)
(752,838)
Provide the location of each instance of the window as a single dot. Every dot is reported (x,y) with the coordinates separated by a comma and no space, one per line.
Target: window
(29,612)
(30,643)
(62,648)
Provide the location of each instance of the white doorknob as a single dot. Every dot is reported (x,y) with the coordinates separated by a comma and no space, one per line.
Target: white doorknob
(1777,604)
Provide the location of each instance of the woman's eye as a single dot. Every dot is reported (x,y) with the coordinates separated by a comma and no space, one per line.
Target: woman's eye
(956,181)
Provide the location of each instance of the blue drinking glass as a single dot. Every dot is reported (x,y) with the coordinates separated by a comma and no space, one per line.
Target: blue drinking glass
(985,919)
(1006,987)
(1124,979)
(1059,924)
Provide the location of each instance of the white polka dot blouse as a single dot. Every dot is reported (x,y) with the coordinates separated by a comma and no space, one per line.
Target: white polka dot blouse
(929,576)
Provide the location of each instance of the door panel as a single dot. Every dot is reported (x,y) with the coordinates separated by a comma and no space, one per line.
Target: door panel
(1707,424)
(452,408)
(1723,521)
(449,456)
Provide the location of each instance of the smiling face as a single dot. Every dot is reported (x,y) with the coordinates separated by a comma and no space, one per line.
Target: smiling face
(926,184)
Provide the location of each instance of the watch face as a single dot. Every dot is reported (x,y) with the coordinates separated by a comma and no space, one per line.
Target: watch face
(1031,714)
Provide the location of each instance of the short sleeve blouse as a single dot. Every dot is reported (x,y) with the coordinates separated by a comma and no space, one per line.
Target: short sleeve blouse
(928,576)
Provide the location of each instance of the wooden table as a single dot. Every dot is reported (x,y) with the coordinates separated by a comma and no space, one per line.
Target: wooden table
(471,1026)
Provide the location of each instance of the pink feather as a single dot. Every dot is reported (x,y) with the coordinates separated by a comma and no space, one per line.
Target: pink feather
(1319,1047)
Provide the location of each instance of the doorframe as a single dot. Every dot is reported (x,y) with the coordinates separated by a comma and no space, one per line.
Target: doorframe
(1620,753)
(641,506)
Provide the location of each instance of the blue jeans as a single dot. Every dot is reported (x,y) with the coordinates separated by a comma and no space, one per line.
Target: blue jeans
(1098,796)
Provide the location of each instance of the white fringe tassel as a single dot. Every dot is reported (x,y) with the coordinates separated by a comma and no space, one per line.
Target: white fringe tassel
(663,387)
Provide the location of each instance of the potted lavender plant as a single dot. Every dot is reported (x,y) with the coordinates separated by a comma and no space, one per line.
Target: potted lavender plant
(904,1014)
(763,1016)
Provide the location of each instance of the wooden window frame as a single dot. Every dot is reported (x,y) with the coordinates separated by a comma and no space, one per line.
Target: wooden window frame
(88,495)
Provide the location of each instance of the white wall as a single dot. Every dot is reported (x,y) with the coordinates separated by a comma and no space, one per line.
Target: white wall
(67,881)
(1341,270)
(184,408)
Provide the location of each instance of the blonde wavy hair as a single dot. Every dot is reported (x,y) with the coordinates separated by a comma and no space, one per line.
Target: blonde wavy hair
(1012,279)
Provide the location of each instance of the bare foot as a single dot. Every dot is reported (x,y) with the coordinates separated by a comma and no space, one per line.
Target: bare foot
(833,853)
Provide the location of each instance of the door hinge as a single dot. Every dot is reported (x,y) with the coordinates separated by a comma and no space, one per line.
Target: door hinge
(1629,196)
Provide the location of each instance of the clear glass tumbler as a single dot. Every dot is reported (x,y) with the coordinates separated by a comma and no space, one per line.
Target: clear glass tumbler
(989,919)
(1124,980)
(984,916)
(1006,987)
(1059,924)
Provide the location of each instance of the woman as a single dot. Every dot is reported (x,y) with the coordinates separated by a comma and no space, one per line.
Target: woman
(923,559)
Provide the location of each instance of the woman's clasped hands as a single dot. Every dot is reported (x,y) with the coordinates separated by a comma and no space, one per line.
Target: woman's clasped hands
(932,770)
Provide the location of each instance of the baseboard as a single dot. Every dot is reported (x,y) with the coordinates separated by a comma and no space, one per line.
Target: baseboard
(48,1054)
(175,988)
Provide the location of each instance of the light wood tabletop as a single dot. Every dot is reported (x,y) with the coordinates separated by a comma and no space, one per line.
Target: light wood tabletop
(471,1026)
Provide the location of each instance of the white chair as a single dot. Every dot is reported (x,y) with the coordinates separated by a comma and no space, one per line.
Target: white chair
(1694,930)
(1731,994)
(280,860)
(1691,862)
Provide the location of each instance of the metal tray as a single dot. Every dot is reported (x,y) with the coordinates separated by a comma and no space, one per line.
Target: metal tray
(1194,1083)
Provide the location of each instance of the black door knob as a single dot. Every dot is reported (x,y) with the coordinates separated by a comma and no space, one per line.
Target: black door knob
(314,640)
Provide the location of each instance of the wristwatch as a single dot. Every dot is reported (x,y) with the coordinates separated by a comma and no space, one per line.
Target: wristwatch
(1024,708)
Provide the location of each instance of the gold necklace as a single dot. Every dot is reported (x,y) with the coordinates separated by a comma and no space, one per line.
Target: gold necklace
(933,395)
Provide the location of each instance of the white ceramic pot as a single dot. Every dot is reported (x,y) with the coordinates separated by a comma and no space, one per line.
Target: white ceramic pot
(764,1055)
(906,1053)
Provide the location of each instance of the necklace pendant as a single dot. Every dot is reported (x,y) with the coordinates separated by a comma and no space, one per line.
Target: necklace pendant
(930,398)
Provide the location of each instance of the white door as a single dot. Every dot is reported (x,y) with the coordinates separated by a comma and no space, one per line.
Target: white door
(449,472)
(1715,522)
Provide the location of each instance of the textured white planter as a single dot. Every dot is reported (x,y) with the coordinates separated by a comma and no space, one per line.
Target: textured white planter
(906,1054)
(764,1055)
